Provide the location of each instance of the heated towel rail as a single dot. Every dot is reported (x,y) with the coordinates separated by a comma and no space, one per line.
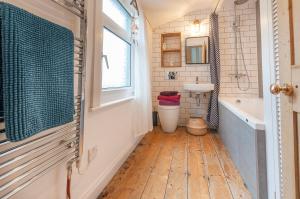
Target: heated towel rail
(23,162)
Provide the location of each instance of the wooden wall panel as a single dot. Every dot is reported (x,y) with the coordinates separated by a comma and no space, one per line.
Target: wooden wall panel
(294,7)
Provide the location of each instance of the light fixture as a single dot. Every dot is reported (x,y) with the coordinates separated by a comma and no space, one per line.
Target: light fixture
(196,26)
(200,28)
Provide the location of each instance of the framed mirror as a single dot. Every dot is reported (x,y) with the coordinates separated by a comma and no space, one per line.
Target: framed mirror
(197,50)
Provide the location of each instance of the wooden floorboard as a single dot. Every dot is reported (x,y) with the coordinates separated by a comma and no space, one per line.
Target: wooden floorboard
(177,182)
(177,166)
(197,181)
(141,167)
(157,183)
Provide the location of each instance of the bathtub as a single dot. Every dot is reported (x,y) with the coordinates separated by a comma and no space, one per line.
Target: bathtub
(242,131)
(250,110)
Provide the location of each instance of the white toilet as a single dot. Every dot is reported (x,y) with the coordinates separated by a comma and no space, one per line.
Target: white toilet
(168,116)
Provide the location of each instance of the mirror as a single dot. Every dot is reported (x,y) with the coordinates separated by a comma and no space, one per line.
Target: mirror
(197,50)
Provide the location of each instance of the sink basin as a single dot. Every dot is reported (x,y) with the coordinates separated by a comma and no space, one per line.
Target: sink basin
(199,88)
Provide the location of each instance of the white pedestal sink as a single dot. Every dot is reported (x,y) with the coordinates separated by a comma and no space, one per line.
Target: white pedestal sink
(199,88)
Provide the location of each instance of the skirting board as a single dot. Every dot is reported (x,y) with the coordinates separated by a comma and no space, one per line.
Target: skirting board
(96,188)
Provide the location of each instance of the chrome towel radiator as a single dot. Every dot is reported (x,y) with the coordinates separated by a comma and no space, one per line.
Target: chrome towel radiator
(21,163)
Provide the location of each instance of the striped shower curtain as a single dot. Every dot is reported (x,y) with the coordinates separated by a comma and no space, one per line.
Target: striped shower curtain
(214,52)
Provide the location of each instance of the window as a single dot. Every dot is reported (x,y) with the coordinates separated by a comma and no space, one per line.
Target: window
(114,10)
(116,64)
(116,49)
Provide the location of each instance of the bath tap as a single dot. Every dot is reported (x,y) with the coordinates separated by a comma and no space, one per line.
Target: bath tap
(197,80)
(238,75)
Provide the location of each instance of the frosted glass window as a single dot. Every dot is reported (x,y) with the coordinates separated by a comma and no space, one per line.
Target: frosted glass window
(114,10)
(116,72)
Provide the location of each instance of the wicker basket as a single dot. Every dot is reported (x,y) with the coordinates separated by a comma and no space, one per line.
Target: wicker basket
(197,126)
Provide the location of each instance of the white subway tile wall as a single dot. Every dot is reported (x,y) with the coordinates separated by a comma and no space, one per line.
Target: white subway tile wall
(188,73)
(247,13)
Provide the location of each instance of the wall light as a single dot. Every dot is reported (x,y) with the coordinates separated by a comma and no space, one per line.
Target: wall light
(196,27)
(200,28)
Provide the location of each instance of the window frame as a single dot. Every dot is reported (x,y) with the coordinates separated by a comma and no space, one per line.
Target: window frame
(101,97)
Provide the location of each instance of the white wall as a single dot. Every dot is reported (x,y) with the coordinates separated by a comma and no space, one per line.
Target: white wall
(109,130)
(188,73)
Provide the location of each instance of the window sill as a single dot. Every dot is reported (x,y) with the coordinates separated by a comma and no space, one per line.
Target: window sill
(112,103)
(109,90)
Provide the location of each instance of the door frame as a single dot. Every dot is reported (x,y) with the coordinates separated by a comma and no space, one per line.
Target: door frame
(271,105)
(276,53)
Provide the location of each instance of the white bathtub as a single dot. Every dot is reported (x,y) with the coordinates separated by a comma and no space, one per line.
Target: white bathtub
(250,110)
(242,131)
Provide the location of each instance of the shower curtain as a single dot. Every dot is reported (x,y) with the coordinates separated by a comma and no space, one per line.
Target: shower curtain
(214,52)
(142,105)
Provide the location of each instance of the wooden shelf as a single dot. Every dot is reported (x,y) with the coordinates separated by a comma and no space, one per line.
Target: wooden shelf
(174,66)
(171,50)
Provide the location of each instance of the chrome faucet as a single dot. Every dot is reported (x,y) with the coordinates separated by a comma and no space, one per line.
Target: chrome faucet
(197,80)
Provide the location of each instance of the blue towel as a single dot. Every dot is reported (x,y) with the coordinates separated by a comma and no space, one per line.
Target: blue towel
(36,73)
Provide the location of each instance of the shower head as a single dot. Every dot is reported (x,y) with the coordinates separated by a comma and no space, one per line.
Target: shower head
(240,2)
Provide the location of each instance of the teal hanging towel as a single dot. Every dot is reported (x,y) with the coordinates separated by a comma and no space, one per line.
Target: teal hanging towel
(36,73)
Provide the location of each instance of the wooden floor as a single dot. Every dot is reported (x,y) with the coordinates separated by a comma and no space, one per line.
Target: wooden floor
(177,166)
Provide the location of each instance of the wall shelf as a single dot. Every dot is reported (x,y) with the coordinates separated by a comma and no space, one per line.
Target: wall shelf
(171,50)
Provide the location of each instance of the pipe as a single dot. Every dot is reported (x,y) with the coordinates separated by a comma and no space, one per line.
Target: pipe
(69,178)
(217,6)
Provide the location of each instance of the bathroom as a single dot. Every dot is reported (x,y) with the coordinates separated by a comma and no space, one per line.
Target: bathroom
(149,99)
(240,87)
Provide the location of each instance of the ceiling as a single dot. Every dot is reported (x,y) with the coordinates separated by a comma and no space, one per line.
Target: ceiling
(159,12)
